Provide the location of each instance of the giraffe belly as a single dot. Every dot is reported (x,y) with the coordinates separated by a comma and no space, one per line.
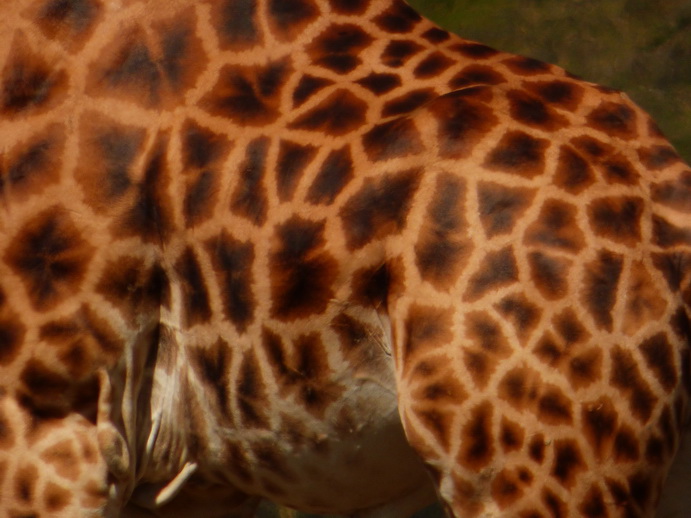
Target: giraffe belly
(348,456)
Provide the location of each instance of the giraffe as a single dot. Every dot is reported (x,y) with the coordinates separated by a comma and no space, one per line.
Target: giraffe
(325,253)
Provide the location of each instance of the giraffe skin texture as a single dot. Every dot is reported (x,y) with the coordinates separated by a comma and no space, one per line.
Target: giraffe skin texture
(324,253)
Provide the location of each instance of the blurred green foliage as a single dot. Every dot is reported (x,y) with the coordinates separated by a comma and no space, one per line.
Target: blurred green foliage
(642,47)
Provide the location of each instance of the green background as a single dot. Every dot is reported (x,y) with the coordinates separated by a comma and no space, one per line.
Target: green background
(642,47)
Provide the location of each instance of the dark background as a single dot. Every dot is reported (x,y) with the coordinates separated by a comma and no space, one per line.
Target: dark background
(642,47)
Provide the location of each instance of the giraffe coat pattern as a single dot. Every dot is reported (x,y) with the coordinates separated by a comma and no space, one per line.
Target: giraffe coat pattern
(325,253)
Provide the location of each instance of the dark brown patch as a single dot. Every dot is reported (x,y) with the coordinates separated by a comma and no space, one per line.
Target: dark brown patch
(293,158)
(51,257)
(335,173)
(506,488)
(56,498)
(563,94)
(477,444)
(12,333)
(380,83)
(556,227)
(398,18)
(33,165)
(660,357)
(408,102)
(150,217)
(626,376)
(348,6)
(500,207)
(194,296)
(532,111)
(426,328)
(307,87)
(236,24)
(392,139)
(302,272)
(232,262)
(486,344)
(475,50)
(593,504)
(497,269)
(526,66)
(442,249)
(475,75)
(568,462)
(600,284)
(666,234)
(316,389)
(675,193)
(614,119)
(371,286)
(213,365)
(536,448)
(658,157)
(585,368)
(249,198)
(518,153)
(433,65)
(288,18)
(550,274)
(380,208)
(398,52)
(251,393)
(68,21)
(340,113)
(511,435)
(248,95)
(574,174)
(338,46)
(554,407)
(521,312)
(29,82)
(463,120)
(599,420)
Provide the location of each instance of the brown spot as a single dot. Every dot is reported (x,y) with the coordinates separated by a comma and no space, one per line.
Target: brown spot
(248,95)
(550,274)
(68,21)
(408,102)
(554,407)
(392,139)
(666,234)
(660,357)
(7,434)
(439,424)
(600,285)
(526,66)
(477,441)
(426,327)
(563,94)
(522,313)
(463,120)
(194,296)
(293,159)
(335,173)
(442,249)
(585,368)
(476,75)
(626,376)
(371,287)
(338,47)
(497,269)
(340,113)
(232,262)
(288,18)
(307,87)
(302,272)
(568,462)
(33,165)
(398,18)
(398,52)
(315,388)
(617,218)
(593,504)
(674,193)
(55,497)
(556,227)
(500,207)
(236,24)
(518,153)
(532,111)
(25,479)
(63,459)
(511,435)
(51,257)
(486,344)
(475,50)
(536,448)
(658,157)
(379,208)
(643,300)
(432,65)
(30,83)
(506,488)
(574,173)
(251,393)
(380,83)
(599,418)
(614,119)
(12,333)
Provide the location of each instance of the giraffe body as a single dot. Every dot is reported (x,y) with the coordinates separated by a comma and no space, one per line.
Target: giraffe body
(316,251)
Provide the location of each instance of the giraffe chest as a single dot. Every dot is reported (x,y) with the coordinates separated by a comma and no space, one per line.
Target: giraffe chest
(316,428)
